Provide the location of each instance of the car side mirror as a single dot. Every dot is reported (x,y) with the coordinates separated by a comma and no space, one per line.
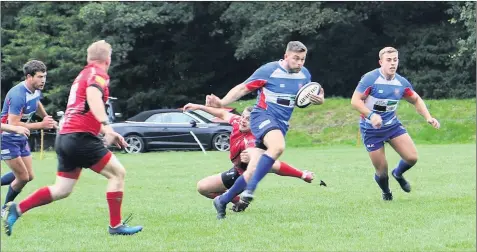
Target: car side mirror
(193,123)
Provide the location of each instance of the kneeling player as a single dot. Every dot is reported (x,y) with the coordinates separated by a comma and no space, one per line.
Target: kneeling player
(240,139)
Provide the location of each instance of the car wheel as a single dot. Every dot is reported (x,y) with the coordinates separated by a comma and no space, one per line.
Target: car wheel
(221,142)
(135,144)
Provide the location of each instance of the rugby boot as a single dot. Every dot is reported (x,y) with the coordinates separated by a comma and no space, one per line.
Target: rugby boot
(402,182)
(220,208)
(240,206)
(388,196)
(11,215)
(124,229)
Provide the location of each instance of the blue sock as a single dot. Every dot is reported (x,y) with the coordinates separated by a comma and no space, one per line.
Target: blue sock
(11,195)
(264,165)
(402,168)
(8,178)
(235,190)
(383,182)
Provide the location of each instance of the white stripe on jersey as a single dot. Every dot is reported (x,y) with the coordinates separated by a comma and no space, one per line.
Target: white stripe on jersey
(381,81)
(30,97)
(272,98)
(278,73)
(390,104)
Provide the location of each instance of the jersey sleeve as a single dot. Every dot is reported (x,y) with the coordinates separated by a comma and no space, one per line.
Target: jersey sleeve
(365,84)
(97,81)
(16,104)
(258,79)
(408,89)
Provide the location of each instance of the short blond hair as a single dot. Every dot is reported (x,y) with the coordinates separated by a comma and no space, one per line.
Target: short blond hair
(387,49)
(99,51)
(296,46)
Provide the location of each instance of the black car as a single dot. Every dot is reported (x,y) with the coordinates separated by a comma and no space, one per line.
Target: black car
(173,129)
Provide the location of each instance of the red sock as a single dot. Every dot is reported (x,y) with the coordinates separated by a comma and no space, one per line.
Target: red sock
(41,197)
(287,170)
(114,202)
(236,199)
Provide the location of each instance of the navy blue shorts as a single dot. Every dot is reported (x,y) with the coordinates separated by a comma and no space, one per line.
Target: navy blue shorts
(261,122)
(374,139)
(14,146)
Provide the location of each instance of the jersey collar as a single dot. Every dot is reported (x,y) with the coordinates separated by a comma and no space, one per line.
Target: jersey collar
(280,66)
(26,87)
(384,76)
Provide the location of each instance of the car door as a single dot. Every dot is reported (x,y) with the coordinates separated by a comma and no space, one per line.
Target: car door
(157,133)
(181,125)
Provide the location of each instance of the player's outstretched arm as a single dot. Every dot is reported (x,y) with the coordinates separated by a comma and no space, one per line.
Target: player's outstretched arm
(220,113)
(233,95)
(421,108)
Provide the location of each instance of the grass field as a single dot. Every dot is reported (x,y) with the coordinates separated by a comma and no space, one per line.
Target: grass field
(288,214)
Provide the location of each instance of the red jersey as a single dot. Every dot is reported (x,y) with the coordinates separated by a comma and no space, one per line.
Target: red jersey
(78,116)
(239,141)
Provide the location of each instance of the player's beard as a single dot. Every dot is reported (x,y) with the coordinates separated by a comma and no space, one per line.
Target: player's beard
(39,87)
(295,70)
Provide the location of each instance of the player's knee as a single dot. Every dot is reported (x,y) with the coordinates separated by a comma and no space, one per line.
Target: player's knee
(119,173)
(277,151)
(201,187)
(62,194)
(22,178)
(60,191)
(412,160)
(30,177)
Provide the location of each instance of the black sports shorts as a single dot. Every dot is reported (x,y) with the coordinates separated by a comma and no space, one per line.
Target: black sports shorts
(229,177)
(81,150)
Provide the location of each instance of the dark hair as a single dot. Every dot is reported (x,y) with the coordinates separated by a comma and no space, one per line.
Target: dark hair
(34,66)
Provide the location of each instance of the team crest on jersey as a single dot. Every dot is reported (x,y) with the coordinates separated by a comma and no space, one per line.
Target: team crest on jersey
(397,91)
(300,86)
(100,80)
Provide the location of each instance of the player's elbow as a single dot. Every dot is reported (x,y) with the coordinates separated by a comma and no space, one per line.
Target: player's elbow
(355,102)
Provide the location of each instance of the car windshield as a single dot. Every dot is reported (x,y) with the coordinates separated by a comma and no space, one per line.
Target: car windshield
(204,117)
(204,114)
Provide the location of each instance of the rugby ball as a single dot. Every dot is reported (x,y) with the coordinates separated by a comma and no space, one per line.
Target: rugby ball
(302,99)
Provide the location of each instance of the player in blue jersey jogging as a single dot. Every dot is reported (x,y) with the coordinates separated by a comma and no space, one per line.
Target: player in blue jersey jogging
(277,83)
(21,103)
(376,98)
